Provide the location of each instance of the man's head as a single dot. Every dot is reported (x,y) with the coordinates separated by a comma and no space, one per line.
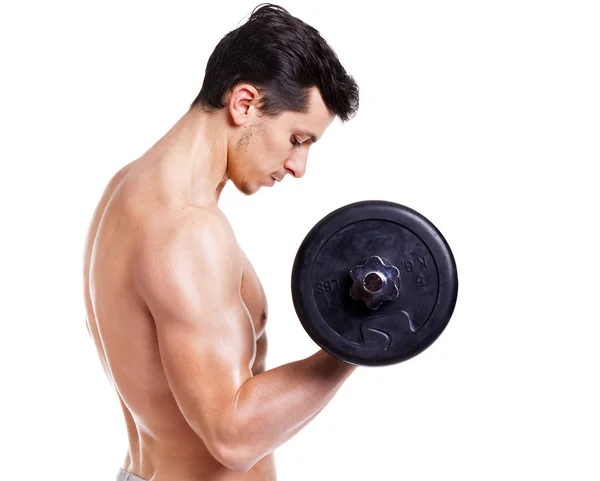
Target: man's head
(279,83)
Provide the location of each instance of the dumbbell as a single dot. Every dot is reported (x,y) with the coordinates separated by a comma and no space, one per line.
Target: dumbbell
(374,283)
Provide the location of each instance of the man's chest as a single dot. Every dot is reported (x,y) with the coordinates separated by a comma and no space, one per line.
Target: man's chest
(254,297)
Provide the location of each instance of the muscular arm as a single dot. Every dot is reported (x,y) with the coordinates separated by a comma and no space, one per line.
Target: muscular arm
(191,282)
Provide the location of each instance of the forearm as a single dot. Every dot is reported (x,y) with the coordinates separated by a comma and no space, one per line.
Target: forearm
(305,423)
(274,405)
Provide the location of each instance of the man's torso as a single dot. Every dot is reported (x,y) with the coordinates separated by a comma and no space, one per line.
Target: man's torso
(161,443)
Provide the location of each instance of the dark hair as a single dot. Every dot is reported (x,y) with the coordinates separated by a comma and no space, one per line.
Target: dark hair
(283,58)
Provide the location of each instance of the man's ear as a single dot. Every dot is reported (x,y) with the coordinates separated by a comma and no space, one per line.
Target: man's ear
(242,103)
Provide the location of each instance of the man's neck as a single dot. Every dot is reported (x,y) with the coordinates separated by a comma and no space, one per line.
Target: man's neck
(193,156)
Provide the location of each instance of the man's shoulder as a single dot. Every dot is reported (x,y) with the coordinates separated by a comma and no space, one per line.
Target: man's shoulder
(193,252)
(203,224)
(202,228)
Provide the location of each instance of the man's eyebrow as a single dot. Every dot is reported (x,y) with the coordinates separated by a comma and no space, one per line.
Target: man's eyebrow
(304,133)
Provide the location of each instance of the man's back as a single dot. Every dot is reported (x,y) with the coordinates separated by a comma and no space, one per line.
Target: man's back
(133,215)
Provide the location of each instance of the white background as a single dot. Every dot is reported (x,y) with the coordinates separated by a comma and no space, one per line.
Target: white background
(484,116)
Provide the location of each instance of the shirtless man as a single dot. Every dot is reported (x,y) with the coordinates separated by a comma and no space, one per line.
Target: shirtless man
(176,312)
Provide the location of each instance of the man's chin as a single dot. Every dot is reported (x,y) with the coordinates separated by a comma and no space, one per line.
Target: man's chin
(248,189)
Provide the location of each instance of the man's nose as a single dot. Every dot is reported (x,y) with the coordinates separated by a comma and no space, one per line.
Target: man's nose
(297,165)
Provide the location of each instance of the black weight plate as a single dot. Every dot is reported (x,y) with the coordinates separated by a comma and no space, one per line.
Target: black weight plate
(399,329)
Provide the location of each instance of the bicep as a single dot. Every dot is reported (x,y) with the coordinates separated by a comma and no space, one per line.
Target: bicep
(206,360)
(205,336)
